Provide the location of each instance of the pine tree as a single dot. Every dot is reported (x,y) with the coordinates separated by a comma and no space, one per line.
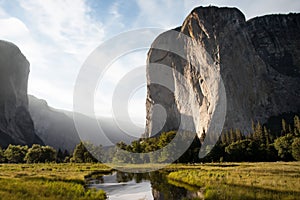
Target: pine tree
(239,135)
(232,136)
(258,134)
(296,126)
(267,136)
(2,157)
(252,126)
(227,138)
(284,127)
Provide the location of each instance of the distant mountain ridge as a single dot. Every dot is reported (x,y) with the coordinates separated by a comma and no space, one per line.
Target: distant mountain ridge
(57,127)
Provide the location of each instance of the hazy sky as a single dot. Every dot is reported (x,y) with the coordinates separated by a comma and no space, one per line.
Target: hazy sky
(56,36)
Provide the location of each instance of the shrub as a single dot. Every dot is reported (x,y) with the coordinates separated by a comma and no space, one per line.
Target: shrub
(296,149)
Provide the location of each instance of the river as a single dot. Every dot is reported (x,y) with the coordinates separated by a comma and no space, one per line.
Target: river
(142,186)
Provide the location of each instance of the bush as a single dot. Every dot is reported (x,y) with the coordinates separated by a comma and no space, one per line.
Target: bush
(283,146)
(296,149)
(40,154)
(2,157)
(15,153)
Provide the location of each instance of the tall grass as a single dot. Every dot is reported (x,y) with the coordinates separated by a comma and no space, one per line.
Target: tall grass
(243,181)
(48,181)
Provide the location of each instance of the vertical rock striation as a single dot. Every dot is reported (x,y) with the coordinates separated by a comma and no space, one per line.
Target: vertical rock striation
(16,126)
(256,62)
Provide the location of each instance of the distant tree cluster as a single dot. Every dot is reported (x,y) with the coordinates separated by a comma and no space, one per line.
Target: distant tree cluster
(146,145)
(23,154)
(259,145)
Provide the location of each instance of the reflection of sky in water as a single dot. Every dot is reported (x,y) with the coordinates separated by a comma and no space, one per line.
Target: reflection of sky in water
(125,190)
(133,191)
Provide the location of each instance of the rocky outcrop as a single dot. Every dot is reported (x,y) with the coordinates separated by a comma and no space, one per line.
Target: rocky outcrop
(16,126)
(235,70)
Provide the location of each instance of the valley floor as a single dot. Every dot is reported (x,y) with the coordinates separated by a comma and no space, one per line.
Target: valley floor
(273,180)
(277,180)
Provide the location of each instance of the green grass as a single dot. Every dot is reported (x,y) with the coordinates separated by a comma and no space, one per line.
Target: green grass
(278,180)
(48,181)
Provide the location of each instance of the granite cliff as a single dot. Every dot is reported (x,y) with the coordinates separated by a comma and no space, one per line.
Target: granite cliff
(16,125)
(237,69)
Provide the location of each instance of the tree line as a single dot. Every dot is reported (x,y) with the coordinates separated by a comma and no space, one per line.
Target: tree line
(147,145)
(260,144)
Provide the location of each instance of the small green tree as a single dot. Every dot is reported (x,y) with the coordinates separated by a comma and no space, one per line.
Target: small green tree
(296,148)
(48,154)
(296,126)
(284,127)
(82,155)
(40,154)
(34,154)
(239,135)
(267,136)
(283,146)
(232,136)
(2,157)
(15,153)
(259,134)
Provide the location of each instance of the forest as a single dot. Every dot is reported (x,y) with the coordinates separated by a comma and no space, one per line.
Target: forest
(263,144)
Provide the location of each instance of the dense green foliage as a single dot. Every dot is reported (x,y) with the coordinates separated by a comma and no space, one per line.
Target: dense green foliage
(15,153)
(2,157)
(259,145)
(296,149)
(40,154)
(22,154)
(82,153)
(146,145)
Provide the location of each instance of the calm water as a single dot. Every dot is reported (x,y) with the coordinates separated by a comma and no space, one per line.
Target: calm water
(147,186)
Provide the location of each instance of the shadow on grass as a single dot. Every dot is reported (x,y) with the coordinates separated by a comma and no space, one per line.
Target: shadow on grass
(265,190)
(56,179)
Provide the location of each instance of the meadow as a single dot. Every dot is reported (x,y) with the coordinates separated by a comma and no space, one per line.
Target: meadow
(274,180)
(48,181)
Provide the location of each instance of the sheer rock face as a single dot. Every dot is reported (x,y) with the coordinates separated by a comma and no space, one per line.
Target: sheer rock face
(16,126)
(257,62)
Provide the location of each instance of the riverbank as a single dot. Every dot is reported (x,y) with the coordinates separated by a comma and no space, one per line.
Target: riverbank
(48,181)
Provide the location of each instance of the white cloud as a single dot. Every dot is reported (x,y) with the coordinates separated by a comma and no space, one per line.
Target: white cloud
(14,28)
(66,23)
(162,14)
(56,37)
(121,67)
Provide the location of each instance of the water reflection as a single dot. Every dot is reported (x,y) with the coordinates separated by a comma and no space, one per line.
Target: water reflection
(148,186)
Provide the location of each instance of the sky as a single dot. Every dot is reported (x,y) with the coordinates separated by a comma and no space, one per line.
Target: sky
(56,36)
